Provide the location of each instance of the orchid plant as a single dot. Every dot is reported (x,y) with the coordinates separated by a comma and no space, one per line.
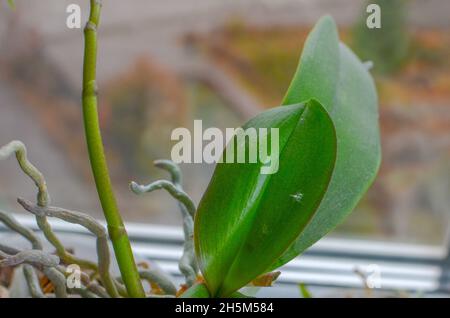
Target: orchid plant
(247,224)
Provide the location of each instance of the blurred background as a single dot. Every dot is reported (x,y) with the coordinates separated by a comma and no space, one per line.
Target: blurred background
(163,64)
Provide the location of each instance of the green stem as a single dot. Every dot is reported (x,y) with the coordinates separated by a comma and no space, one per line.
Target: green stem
(116,229)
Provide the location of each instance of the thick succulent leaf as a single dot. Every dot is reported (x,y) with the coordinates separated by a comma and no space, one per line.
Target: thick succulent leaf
(317,72)
(246,219)
(354,111)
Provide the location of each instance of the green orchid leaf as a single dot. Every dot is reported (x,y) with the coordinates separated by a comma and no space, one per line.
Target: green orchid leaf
(317,73)
(246,219)
(196,291)
(354,111)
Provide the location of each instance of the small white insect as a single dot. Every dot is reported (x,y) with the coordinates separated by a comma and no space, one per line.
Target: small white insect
(297,197)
